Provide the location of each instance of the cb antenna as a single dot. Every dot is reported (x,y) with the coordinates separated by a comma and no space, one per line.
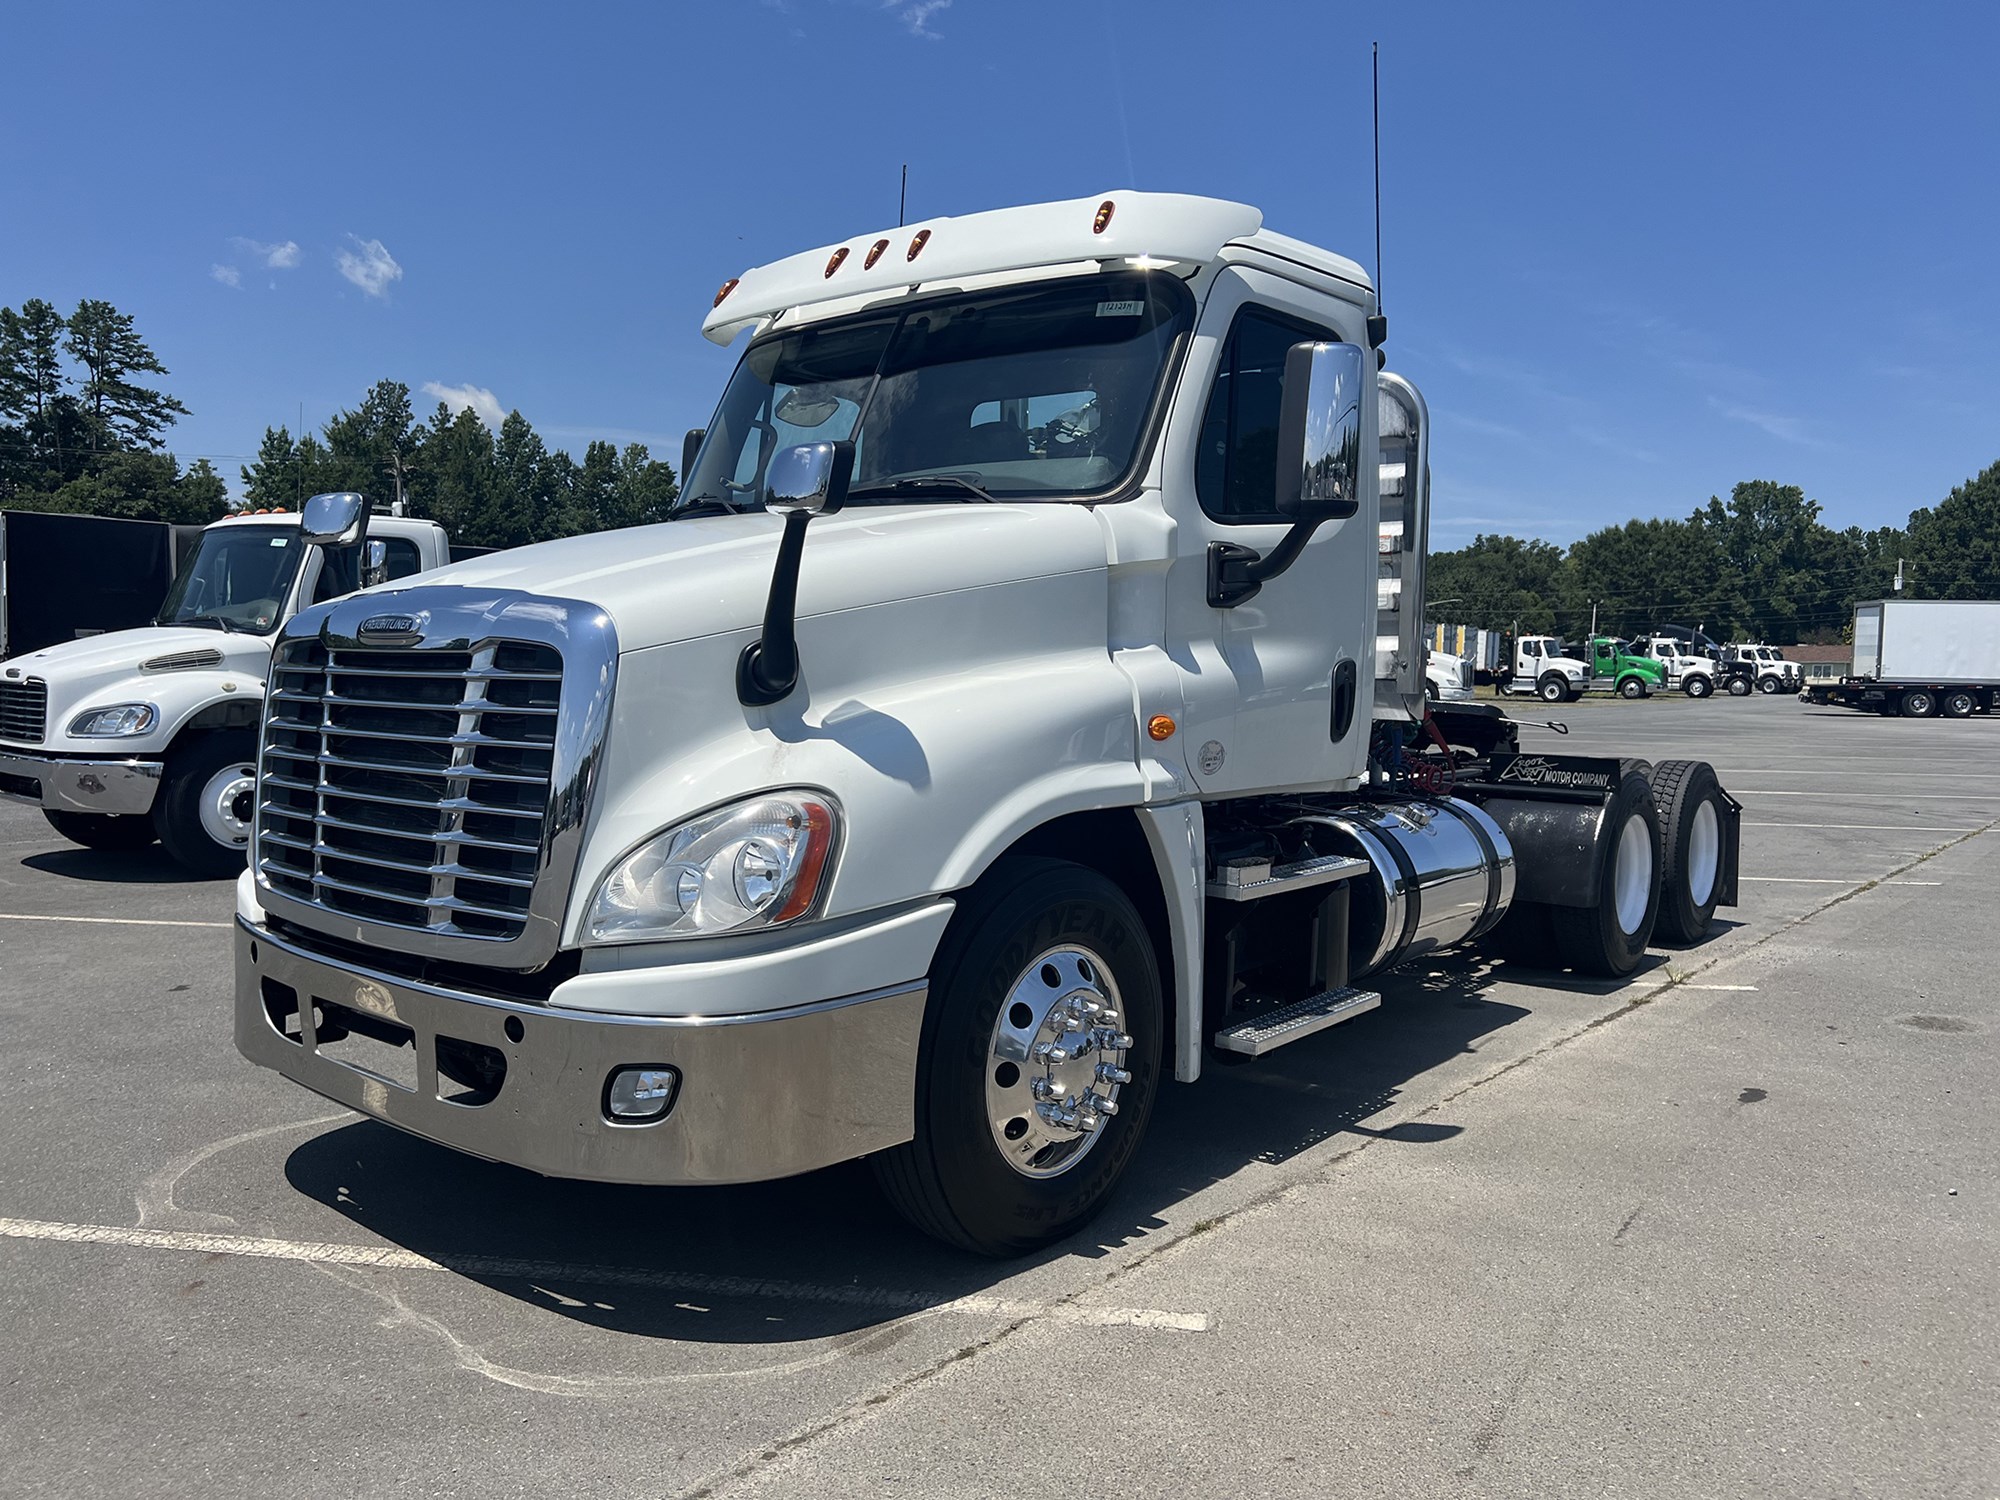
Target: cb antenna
(903,203)
(1378,326)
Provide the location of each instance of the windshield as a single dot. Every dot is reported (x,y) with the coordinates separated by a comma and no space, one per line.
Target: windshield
(237,580)
(1035,392)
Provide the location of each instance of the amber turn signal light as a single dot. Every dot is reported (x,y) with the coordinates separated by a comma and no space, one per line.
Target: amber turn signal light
(1103,220)
(1160,727)
(727,287)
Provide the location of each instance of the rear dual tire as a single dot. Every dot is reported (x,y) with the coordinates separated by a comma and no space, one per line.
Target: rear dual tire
(1960,705)
(1608,938)
(1692,823)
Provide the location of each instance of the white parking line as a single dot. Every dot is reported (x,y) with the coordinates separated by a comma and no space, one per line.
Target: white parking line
(20,916)
(1793,880)
(1743,988)
(1913,882)
(389,1258)
(1758,791)
(1875,827)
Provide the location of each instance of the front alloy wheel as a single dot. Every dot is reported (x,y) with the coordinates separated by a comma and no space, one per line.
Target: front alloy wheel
(1038,1064)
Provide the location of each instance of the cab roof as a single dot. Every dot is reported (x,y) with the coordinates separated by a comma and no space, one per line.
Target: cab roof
(1127,226)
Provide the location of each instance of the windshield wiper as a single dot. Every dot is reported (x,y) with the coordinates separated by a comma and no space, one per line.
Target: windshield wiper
(916,483)
(229,627)
(701,504)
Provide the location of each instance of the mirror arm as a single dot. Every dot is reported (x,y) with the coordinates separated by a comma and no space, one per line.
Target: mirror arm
(1236,574)
(768,669)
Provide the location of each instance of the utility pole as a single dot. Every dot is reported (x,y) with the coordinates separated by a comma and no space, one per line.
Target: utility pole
(1899,575)
(1593,617)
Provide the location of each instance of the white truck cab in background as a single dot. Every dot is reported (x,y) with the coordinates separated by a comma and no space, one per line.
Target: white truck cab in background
(1771,672)
(1026,703)
(1685,667)
(151,733)
(1544,667)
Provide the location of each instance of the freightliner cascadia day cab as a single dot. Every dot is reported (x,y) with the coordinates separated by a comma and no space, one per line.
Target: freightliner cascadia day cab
(152,733)
(1015,717)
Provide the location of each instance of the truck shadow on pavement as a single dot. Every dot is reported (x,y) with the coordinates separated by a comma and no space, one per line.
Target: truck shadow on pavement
(148,866)
(824,1255)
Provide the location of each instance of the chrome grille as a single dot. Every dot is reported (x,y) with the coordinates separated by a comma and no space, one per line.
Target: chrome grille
(410,788)
(24,710)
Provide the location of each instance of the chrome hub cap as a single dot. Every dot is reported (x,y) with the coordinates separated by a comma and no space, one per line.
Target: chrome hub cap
(229,803)
(1056,1063)
(1632,875)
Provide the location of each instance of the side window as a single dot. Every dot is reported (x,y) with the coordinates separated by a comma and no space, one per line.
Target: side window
(1236,464)
(339,570)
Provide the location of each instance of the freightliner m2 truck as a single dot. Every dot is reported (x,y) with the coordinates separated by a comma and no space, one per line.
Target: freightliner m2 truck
(1011,720)
(151,733)
(1921,658)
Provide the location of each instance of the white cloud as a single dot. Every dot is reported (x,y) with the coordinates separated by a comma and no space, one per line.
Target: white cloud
(916,15)
(227,275)
(369,265)
(1785,429)
(281,256)
(476,399)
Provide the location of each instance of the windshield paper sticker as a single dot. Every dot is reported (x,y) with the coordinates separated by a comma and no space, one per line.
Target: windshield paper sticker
(1121,309)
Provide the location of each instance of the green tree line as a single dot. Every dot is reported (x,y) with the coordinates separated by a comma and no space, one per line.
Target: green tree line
(1758,566)
(78,432)
(487,489)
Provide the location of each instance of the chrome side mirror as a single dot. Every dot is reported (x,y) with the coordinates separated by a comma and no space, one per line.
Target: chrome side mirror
(810,479)
(374,564)
(334,520)
(1319,433)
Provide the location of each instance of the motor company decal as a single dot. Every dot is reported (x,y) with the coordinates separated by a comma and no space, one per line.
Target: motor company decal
(1563,773)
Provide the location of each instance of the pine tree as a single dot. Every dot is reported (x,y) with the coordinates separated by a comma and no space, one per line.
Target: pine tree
(117,413)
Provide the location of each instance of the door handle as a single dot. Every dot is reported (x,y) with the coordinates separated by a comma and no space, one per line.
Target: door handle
(1344,685)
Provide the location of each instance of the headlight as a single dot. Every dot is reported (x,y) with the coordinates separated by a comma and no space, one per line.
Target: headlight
(753,865)
(118,720)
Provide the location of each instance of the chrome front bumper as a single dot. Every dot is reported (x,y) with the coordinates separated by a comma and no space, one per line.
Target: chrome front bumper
(760,1096)
(84,786)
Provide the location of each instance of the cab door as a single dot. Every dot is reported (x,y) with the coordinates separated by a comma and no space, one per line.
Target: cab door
(1278,690)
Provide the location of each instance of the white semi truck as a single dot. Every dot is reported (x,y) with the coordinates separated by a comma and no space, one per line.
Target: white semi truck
(999,731)
(1769,671)
(1921,658)
(151,733)
(1684,667)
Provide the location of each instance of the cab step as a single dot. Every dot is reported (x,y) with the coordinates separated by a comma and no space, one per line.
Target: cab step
(1254,879)
(1274,1028)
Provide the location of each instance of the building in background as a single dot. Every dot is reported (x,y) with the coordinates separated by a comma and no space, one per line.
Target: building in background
(1822,663)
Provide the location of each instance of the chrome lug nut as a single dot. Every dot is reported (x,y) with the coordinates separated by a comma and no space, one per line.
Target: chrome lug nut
(1100,1106)
(1106,1073)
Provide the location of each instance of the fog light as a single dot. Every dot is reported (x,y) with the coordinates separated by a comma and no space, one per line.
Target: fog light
(640,1093)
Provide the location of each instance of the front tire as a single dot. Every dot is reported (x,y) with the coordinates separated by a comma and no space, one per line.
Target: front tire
(1608,938)
(102,830)
(206,803)
(1631,687)
(1010,1152)
(1698,687)
(1554,688)
(1769,685)
(1689,799)
(1739,687)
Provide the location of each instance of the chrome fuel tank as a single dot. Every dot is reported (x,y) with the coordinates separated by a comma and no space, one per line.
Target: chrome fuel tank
(1442,873)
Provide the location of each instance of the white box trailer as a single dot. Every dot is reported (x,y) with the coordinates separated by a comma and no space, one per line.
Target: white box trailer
(1921,657)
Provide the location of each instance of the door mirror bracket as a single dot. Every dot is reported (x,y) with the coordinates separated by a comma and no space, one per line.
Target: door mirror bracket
(802,482)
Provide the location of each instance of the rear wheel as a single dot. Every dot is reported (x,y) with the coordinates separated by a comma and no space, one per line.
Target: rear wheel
(1698,686)
(1959,705)
(1609,937)
(102,830)
(1689,799)
(1039,1061)
(207,801)
(1920,703)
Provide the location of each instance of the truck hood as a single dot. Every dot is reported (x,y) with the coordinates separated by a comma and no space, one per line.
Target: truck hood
(77,666)
(682,580)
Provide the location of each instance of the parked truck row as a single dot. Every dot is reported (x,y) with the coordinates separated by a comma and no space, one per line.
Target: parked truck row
(1025,706)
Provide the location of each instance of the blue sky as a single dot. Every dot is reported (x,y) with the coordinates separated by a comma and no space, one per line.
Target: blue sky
(1633,254)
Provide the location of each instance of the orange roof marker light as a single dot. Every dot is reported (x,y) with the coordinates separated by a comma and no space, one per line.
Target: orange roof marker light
(838,256)
(727,287)
(1160,727)
(874,254)
(1103,220)
(916,245)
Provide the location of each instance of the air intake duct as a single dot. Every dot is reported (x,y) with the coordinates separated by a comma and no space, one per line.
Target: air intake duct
(1442,872)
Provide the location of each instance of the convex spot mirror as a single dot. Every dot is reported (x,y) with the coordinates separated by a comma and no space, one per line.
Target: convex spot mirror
(810,479)
(1319,432)
(374,564)
(334,520)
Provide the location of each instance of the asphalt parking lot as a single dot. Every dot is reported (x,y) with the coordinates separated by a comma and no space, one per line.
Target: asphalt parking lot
(1724,1230)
